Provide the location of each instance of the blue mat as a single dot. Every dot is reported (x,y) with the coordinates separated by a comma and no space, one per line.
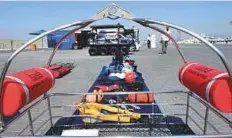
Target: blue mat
(98,81)
(176,126)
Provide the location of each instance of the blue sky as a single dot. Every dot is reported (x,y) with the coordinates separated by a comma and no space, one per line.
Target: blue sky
(17,19)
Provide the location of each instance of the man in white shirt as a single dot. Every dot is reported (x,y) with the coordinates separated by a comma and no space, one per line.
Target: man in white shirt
(164,41)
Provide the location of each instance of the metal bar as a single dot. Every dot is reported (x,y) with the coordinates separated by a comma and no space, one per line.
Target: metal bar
(61,40)
(30,122)
(187,109)
(118,112)
(211,125)
(109,124)
(41,126)
(22,113)
(157,114)
(206,119)
(199,127)
(49,111)
(210,45)
(160,104)
(23,129)
(153,108)
(115,93)
(226,120)
(9,60)
(40,114)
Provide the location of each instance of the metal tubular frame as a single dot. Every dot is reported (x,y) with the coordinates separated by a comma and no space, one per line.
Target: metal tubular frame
(30,122)
(50,110)
(61,40)
(187,109)
(9,60)
(207,43)
(143,22)
(190,94)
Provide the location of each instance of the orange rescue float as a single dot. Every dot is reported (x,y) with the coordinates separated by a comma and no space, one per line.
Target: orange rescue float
(21,88)
(210,84)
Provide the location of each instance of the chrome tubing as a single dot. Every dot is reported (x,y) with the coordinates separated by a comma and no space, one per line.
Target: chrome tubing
(207,43)
(9,60)
(61,40)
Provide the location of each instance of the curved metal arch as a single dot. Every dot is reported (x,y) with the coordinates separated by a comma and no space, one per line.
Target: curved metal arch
(9,60)
(61,40)
(127,16)
(207,43)
(146,25)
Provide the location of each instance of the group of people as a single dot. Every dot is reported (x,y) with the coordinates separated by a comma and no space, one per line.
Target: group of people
(164,41)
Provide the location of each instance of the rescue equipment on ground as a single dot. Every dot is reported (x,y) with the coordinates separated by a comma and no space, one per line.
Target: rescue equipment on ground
(130,61)
(104,88)
(141,98)
(60,70)
(21,88)
(135,86)
(54,67)
(130,107)
(63,71)
(114,114)
(210,84)
(130,77)
(116,76)
(95,97)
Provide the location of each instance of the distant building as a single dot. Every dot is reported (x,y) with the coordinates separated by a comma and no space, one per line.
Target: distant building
(214,40)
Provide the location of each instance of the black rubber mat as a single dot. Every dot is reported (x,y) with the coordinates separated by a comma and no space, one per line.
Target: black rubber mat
(161,126)
(131,129)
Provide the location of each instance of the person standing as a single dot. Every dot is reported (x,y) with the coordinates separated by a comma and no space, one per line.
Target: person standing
(149,41)
(164,41)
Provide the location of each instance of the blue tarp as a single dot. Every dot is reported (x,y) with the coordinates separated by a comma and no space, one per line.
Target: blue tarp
(54,38)
(37,32)
(143,108)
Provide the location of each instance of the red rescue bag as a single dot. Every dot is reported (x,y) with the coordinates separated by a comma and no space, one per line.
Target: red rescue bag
(210,84)
(21,88)
(141,98)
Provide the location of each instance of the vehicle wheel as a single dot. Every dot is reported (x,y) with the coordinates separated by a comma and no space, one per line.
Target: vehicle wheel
(124,50)
(92,51)
(113,50)
(103,51)
(132,48)
(75,46)
(80,47)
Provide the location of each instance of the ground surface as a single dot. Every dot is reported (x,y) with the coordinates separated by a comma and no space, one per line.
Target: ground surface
(159,71)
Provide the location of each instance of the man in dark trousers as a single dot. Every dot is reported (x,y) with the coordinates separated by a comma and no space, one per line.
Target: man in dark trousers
(164,41)
(149,41)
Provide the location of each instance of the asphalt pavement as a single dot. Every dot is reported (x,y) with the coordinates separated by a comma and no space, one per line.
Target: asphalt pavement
(159,71)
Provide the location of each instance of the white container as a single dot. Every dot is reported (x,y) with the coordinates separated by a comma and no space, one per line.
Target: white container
(153,41)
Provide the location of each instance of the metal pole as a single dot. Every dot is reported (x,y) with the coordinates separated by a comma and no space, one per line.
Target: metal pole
(30,122)
(9,60)
(61,40)
(153,110)
(49,110)
(206,119)
(118,113)
(207,43)
(42,41)
(187,108)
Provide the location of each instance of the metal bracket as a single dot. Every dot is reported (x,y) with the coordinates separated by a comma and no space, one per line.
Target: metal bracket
(113,12)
